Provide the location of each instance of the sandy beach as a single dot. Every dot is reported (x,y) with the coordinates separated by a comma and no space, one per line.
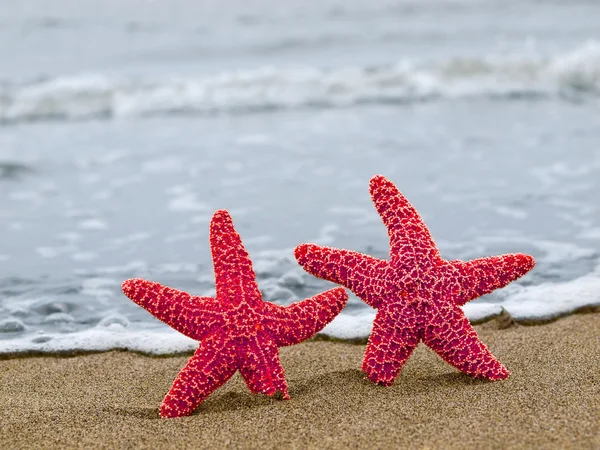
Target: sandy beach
(111,400)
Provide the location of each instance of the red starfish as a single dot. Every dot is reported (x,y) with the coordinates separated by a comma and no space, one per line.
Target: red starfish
(417,293)
(237,330)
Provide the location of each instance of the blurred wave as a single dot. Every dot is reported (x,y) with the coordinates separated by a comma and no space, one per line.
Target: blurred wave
(565,76)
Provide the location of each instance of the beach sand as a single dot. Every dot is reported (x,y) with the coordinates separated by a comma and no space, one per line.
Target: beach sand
(111,400)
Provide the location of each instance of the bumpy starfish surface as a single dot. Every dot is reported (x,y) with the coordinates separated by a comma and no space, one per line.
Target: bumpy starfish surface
(237,329)
(417,293)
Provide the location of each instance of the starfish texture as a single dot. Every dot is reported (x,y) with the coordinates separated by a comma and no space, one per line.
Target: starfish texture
(237,329)
(416,292)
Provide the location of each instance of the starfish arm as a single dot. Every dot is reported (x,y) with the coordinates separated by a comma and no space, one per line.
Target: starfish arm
(484,275)
(232,265)
(261,369)
(393,339)
(407,232)
(289,325)
(362,274)
(211,366)
(196,317)
(449,333)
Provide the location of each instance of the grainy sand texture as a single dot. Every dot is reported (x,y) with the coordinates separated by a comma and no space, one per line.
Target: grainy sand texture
(111,400)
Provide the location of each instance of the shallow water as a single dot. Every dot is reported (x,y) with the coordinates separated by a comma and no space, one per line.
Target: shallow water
(122,128)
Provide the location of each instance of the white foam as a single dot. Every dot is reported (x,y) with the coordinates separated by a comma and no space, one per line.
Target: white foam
(477,312)
(550,300)
(540,302)
(102,338)
(94,95)
(346,326)
(114,332)
(281,280)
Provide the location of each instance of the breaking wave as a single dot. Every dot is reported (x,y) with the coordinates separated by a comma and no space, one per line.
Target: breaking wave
(56,324)
(571,75)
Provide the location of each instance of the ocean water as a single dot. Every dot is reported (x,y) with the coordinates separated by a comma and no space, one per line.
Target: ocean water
(125,124)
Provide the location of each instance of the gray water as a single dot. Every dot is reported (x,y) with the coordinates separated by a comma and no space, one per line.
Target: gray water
(125,124)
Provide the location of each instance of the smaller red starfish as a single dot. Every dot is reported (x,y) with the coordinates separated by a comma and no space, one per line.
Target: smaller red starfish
(237,330)
(417,293)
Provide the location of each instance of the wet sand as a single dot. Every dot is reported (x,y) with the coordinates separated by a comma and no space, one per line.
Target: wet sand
(111,400)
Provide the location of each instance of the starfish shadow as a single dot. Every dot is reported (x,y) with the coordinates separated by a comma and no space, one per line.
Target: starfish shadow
(240,400)
(137,412)
(235,401)
(454,379)
(230,401)
(348,378)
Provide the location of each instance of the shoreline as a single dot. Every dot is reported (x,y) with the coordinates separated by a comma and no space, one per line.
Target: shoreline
(111,399)
(500,321)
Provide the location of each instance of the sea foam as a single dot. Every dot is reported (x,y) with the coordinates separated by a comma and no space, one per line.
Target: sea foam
(84,96)
(528,304)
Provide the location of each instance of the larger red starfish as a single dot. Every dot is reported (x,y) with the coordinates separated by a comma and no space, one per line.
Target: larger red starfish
(237,330)
(417,293)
